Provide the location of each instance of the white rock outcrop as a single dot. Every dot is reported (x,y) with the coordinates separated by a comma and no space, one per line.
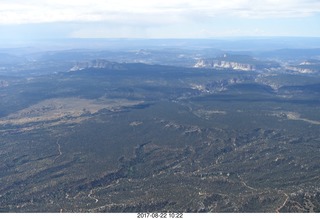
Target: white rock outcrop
(224,64)
(98,64)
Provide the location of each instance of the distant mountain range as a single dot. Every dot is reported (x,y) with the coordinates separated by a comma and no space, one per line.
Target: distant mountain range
(248,63)
(236,62)
(226,61)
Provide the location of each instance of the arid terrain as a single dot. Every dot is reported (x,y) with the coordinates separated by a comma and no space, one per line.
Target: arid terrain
(202,132)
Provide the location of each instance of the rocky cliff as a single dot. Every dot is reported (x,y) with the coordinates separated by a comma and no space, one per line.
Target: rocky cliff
(224,64)
(227,61)
(98,63)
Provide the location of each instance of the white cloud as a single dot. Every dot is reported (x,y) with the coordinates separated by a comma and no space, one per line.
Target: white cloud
(148,11)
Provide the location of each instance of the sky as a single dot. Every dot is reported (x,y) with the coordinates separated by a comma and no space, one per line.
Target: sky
(59,19)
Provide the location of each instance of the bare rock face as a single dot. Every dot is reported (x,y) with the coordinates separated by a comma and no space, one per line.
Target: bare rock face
(99,64)
(242,63)
(306,67)
(234,65)
(224,64)
(301,70)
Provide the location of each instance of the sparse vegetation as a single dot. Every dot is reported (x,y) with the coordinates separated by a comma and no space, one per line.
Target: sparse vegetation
(160,138)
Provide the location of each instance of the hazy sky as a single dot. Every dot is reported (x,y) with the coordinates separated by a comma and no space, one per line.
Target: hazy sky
(36,19)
